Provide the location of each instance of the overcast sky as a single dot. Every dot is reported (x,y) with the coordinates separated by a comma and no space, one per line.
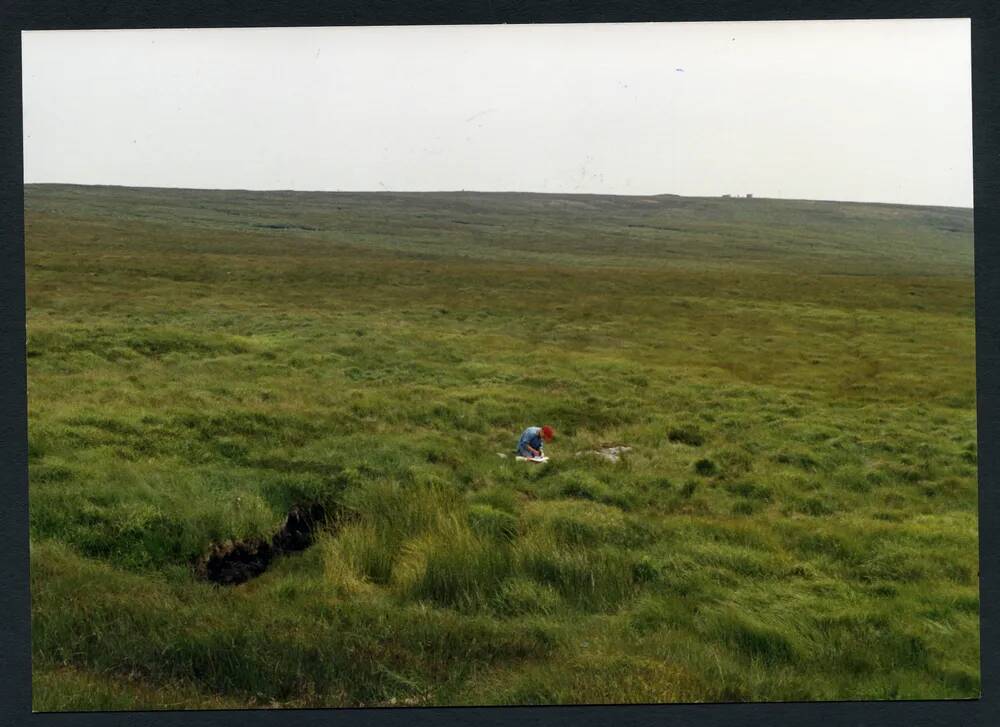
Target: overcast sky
(845,110)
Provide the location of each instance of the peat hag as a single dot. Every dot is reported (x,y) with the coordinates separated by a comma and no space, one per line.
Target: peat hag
(235,562)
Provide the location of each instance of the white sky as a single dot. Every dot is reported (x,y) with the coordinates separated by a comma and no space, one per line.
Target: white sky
(869,110)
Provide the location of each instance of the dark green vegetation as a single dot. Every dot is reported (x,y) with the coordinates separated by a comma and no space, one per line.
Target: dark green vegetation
(796,519)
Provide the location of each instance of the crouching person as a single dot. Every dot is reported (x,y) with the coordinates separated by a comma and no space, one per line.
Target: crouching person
(532,442)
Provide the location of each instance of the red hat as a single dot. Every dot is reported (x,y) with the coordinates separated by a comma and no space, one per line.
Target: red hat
(548,433)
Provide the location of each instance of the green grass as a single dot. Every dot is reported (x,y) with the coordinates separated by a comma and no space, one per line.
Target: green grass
(796,519)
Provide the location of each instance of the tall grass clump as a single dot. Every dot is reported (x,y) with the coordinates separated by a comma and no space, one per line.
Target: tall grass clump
(453,567)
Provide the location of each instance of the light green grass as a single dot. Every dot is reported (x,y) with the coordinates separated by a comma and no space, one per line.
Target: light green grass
(796,519)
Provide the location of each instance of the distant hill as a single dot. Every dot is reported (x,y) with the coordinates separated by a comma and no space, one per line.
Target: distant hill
(567,229)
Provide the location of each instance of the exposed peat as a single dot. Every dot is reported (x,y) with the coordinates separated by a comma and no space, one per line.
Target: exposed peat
(236,562)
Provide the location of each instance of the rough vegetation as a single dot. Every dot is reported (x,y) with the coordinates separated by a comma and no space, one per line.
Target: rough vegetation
(795,520)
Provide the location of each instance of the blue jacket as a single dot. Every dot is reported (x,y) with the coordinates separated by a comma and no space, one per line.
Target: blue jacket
(531,436)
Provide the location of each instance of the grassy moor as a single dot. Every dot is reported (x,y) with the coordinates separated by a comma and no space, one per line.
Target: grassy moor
(265,432)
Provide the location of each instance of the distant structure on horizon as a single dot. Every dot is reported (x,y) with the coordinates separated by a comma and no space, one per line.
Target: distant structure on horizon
(736,196)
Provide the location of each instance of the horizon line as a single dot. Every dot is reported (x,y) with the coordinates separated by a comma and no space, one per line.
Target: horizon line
(727,195)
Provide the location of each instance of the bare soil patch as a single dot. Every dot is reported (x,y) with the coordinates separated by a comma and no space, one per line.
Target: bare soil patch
(235,562)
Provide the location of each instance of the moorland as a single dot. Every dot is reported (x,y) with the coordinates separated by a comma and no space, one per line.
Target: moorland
(795,518)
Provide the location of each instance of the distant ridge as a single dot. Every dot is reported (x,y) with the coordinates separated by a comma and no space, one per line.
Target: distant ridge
(573,229)
(472,192)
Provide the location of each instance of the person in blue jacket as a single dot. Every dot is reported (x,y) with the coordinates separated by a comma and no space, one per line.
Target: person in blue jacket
(532,441)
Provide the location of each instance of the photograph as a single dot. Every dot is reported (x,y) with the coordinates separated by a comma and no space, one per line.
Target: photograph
(501,365)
